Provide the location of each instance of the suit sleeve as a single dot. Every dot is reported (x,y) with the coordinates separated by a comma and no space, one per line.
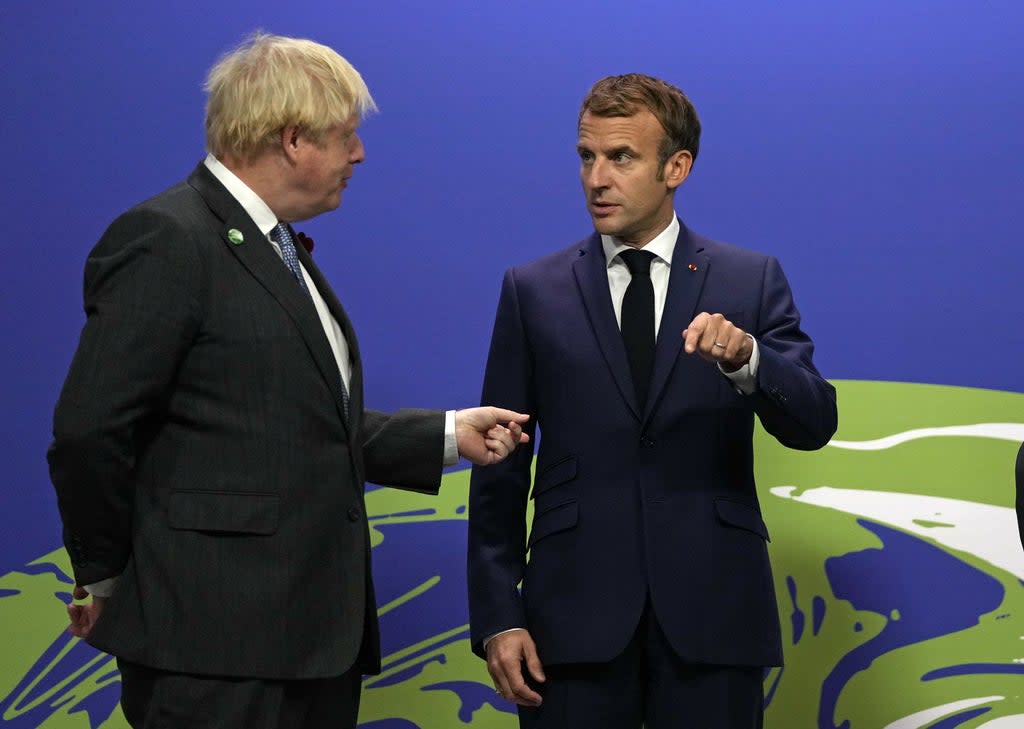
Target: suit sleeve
(404,449)
(795,404)
(496,556)
(141,296)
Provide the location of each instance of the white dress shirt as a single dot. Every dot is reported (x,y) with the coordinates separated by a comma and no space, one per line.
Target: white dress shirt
(664,244)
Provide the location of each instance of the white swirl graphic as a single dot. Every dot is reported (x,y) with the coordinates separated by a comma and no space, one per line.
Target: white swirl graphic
(998,431)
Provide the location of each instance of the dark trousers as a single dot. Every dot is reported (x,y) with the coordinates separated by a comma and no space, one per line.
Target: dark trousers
(648,686)
(154,699)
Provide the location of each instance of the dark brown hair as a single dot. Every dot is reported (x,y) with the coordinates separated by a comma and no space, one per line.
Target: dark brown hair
(627,94)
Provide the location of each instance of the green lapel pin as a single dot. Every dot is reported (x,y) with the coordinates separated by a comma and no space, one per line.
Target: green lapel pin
(235,236)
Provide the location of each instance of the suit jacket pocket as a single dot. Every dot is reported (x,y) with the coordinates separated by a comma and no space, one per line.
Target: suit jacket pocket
(744,516)
(562,471)
(551,521)
(223,511)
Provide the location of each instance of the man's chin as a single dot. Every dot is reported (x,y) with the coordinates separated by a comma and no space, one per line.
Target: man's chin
(604,225)
(332,203)
(325,207)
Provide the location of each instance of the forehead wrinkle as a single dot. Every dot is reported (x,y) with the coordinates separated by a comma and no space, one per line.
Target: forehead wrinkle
(618,131)
(605,142)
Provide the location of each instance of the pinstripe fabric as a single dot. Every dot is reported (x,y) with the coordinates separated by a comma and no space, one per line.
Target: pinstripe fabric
(202,451)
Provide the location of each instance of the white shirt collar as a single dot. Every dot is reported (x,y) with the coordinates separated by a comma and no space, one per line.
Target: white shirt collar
(258,210)
(662,246)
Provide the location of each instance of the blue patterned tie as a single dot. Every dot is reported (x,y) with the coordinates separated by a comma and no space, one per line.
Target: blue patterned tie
(283,237)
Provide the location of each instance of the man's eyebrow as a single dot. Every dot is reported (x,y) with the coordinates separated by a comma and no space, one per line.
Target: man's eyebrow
(614,151)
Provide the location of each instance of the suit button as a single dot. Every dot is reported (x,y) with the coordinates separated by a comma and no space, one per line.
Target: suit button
(646,442)
(353,514)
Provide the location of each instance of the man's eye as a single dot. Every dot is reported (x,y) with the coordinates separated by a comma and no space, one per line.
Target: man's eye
(622,157)
(586,157)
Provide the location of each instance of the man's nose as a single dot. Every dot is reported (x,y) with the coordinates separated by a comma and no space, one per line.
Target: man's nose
(358,152)
(596,175)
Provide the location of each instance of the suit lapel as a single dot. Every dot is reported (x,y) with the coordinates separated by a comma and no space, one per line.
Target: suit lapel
(355,385)
(591,271)
(266,267)
(686,280)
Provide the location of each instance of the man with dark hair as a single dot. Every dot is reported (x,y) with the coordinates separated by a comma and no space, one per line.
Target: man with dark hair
(648,598)
(210,443)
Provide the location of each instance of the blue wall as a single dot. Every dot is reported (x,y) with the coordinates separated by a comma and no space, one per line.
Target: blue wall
(875,147)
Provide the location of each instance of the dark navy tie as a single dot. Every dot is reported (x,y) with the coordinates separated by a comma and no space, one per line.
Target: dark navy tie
(638,320)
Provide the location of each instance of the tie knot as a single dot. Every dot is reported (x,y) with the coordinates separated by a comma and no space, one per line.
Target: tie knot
(279,233)
(638,262)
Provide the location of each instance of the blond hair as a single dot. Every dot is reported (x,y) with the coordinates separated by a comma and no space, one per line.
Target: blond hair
(270,82)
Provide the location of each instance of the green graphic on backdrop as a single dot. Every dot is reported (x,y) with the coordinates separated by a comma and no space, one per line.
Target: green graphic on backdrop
(897,563)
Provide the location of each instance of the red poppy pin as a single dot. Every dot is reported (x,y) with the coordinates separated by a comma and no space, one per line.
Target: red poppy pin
(306,242)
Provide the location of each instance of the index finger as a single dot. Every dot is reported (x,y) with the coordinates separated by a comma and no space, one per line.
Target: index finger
(502,415)
(693,332)
(522,693)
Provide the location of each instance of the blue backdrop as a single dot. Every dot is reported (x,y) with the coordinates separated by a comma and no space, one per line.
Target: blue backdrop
(874,147)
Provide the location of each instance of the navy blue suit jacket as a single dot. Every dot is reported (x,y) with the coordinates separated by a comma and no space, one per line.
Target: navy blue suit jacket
(628,502)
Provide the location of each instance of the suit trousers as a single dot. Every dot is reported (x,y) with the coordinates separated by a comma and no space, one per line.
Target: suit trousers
(155,699)
(648,686)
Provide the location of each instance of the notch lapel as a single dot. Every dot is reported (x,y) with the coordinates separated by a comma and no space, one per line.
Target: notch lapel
(684,289)
(355,385)
(266,267)
(591,271)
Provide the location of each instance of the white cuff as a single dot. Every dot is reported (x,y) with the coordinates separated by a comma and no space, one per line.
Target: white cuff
(451,447)
(745,378)
(103,588)
(489,638)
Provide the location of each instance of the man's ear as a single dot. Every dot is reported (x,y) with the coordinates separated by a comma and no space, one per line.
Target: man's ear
(291,141)
(677,168)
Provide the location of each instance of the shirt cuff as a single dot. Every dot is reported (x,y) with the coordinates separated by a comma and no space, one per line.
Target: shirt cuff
(451,447)
(103,588)
(745,378)
(489,638)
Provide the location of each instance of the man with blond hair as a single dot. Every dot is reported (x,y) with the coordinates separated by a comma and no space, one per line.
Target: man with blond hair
(647,599)
(210,442)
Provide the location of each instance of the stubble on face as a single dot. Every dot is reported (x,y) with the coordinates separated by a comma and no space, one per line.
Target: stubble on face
(620,172)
